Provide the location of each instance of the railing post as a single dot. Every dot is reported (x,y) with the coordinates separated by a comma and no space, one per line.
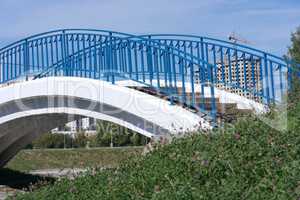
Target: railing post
(26,59)
(267,78)
(149,59)
(262,92)
(1,68)
(136,61)
(142,62)
(64,53)
(289,77)
(281,83)
(129,58)
(202,75)
(272,82)
(181,66)
(192,83)
(212,92)
(110,61)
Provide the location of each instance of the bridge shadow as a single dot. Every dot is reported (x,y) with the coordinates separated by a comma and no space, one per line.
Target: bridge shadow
(19,180)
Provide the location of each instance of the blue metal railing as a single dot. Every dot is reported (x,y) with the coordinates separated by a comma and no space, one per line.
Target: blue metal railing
(181,66)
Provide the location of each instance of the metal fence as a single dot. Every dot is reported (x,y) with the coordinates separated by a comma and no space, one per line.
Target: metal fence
(179,66)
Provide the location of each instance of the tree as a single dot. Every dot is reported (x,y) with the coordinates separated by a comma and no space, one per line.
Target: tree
(294,93)
(294,54)
(135,139)
(294,50)
(52,140)
(80,140)
(120,135)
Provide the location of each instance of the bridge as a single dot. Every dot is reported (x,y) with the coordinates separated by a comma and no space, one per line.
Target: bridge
(156,85)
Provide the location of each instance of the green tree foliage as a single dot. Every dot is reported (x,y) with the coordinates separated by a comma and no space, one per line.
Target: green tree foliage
(108,132)
(294,50)
(80,140)
(294,94)
(49,140)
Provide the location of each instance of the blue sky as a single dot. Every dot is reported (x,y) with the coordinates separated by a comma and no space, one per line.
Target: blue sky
(267,24)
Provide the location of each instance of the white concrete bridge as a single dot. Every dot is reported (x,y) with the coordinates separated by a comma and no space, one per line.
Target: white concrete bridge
(29,109)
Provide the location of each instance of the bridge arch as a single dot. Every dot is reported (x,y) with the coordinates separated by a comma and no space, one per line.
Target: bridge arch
(31,108)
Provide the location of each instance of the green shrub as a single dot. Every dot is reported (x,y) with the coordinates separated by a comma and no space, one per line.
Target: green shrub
(50,140)
(255,162)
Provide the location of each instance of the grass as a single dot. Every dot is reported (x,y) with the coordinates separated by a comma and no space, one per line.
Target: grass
(27,160)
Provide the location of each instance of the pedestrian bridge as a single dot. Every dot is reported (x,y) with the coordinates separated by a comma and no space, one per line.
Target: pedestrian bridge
(156,85)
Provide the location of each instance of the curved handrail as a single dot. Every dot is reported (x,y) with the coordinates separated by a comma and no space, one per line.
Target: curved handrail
(216,40)
(145,35)
(129,36)
(192,61)
(58,31)
(148,39)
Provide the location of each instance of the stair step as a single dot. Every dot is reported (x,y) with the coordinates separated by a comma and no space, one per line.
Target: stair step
(225,111)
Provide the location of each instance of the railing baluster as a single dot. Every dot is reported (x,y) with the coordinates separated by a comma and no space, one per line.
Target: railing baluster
(156,66)
(174,67)
(142,61)
(111,66)
(183,91)
(202,74)
(47,52)
(272,82)
(15,63)
(84,56)
(266,78)
(229,67)
(101,64)
(281,82)
(129,59)
(26,58)
(192,76)
(212,92)
(1,68)
(136,61)
(237,69)
(42,54)
(261,78)
(90,55)
(245,75)
(222,66)
(253,75)
(11,64)
(19,60)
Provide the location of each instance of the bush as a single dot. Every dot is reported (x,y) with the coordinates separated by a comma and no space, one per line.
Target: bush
(253,161)
(108,132)
(80,140)
(50,140)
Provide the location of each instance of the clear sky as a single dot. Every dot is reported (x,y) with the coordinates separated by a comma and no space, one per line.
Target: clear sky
(267,24)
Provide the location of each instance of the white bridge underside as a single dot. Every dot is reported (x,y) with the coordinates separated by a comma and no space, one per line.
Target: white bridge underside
(29,109)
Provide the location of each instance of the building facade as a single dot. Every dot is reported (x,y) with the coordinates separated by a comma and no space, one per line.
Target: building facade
(237,75)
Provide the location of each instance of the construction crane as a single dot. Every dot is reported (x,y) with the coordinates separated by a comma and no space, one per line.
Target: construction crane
(235,39)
